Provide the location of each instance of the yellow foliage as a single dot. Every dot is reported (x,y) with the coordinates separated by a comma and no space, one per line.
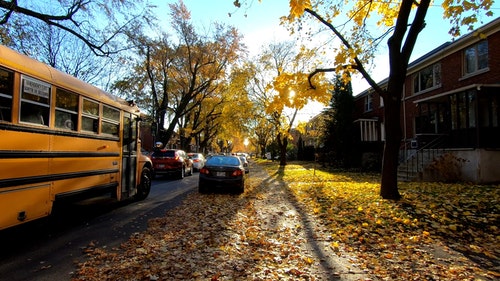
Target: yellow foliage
(301,127)
(297,7)
(364,14)
(297,83)
(361,222)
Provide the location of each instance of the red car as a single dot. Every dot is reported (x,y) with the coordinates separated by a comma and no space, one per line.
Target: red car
(171,162)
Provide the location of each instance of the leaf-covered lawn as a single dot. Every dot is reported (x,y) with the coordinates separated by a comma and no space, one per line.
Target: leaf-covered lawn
(304,223)
(436,232)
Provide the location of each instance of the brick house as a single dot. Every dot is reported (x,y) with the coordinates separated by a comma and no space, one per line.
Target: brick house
(450,111)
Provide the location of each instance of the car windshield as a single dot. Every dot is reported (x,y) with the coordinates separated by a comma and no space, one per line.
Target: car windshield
(193,156)
(223,160)
(164,153)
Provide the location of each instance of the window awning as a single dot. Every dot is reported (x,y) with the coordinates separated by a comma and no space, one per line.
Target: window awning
(472,86)
(374,119)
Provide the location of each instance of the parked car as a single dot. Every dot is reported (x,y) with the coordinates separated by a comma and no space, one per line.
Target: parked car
(245,163)
(222,172)
(171,161)
(198,160)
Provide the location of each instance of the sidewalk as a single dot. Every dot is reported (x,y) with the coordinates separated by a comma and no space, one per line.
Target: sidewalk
(263,234)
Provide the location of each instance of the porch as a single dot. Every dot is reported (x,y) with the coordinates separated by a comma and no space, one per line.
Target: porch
(457,132)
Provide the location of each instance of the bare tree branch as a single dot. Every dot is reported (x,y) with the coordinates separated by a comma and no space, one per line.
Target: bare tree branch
(57,20)
(12,6)
(358,66)
(316,71)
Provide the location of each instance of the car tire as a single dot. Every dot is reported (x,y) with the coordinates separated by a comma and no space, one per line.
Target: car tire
(241,188)
(202,188)
(144,186)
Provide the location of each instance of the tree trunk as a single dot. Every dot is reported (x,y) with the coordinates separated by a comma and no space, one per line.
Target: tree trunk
(283,145)
(262,150)
(389,182)
(400,45)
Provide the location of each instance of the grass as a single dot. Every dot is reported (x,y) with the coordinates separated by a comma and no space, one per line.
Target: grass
(437,231)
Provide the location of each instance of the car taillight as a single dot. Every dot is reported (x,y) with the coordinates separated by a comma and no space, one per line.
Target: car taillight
(196,160)
(204,171)
(237,173)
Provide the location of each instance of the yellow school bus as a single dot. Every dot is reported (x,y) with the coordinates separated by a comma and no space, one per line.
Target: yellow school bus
(62,138)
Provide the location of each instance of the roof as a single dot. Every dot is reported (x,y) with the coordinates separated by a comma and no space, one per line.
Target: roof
(445,49)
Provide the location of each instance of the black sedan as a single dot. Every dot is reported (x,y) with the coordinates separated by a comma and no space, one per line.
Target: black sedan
(222,172)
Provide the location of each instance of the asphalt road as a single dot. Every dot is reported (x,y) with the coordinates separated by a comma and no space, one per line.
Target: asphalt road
(47,249)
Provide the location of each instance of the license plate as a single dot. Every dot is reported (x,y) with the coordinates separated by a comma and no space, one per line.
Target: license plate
(220,174)
(161,166)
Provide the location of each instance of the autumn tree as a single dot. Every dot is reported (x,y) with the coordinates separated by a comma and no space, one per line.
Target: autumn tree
(338,129)
(202,124)
(177,72)
(291,88)
(223,115)
(147,81)
(276,99)
(399,24)
(238,109)
(200,64)
(263,132)
(259,94)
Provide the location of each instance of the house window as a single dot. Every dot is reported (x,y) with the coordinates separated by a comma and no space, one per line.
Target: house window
(476,57)
(427,78)
(463,110)
(369,102)
(472,105)
(368,130)
(432,117)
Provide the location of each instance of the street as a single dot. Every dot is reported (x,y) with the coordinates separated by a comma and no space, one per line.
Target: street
(48,248)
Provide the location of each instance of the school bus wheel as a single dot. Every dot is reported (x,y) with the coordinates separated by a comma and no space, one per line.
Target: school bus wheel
(145,185)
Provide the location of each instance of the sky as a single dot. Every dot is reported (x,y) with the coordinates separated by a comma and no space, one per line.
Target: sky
(259,23)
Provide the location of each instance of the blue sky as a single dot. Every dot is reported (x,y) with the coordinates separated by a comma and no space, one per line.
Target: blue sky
(259,24)
(257,21)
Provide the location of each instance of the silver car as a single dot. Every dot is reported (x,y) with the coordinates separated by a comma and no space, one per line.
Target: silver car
(198,160)
(244,161)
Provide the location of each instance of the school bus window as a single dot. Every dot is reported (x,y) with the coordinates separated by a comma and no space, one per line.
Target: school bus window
(110,128)
(35,101)
(90,116)
(111,113)
(110,121)
(66,110)
(6,82)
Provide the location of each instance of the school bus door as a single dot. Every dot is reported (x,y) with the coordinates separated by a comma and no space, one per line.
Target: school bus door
(129,157)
